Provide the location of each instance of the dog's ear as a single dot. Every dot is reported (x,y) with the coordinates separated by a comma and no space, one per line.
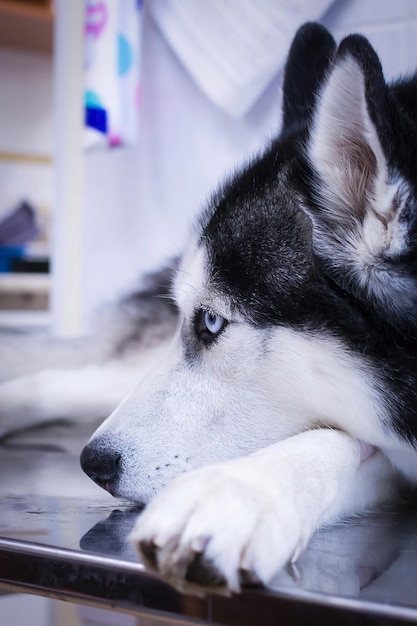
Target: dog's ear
(358,195)
(308,60)
(349,135)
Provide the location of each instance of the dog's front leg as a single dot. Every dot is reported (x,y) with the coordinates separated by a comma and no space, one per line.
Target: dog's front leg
(242,520)
(81,395)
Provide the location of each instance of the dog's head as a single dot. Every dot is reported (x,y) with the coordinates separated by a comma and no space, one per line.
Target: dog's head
(281,288)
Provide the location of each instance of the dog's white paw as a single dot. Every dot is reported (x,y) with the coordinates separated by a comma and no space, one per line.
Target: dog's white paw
(221,526)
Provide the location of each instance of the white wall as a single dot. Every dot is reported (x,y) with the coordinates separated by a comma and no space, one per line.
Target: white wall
(391,27)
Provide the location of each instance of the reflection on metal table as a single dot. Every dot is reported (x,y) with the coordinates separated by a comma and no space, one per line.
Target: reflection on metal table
(69,540)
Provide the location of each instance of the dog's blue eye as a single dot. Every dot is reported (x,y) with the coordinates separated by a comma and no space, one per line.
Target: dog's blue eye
(214,323)
(208,326)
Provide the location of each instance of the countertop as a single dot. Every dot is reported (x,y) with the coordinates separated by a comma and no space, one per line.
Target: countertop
(63,537)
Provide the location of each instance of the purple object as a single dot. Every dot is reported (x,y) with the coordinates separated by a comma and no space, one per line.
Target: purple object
(19,226)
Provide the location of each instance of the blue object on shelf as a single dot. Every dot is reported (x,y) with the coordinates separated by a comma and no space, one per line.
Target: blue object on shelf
(8,254)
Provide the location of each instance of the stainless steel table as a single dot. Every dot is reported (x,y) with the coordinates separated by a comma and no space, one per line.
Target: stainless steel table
(68,540)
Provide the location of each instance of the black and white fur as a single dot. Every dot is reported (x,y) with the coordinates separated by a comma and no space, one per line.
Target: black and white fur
(289,387)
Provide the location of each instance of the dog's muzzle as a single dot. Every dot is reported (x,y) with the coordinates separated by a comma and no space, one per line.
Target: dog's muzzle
(101,464)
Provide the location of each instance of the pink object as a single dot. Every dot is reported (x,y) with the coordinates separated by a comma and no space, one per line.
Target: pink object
(114,141)
(96,18)
(367,450)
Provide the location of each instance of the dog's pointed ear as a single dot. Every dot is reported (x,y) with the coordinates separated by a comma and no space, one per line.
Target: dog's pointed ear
(308,60)
(358,195)
(350,137)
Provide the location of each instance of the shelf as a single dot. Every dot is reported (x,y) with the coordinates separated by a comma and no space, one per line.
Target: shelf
(26,25)
(24,292)
(23,282)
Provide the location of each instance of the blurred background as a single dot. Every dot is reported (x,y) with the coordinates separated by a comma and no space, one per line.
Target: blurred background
(117,118)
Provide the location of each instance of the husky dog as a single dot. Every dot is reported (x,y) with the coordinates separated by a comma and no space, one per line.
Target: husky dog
(292,377)
(287,397)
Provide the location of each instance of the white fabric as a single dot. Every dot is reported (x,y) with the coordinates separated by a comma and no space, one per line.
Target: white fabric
(233,49)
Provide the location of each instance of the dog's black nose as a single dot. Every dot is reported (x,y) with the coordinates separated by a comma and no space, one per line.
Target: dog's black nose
(101,464)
